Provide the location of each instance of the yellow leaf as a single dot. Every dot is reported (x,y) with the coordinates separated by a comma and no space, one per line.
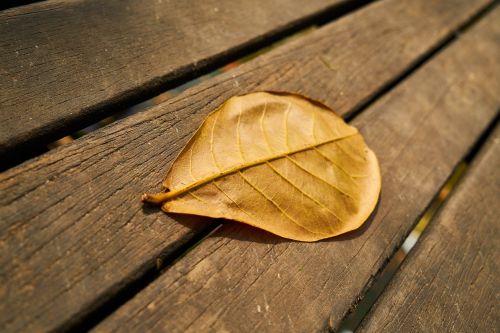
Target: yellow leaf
(279,162)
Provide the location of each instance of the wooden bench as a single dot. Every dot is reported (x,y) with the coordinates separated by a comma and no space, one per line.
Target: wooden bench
(79,251)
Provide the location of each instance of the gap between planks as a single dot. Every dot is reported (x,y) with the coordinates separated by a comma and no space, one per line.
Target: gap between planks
(382,279)
(80,84)
(430,291)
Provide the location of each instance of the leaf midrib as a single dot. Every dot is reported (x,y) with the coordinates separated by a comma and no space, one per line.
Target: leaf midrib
(172,194)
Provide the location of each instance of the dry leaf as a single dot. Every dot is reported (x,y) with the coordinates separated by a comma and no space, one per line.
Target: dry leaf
(279,162)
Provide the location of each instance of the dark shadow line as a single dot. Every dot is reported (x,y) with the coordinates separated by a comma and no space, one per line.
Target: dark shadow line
(447,41)
(482,139)
(109,302)
(27,148)
(377,285)
(6,4)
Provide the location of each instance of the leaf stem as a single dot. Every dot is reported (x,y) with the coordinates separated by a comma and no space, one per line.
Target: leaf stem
(156,198)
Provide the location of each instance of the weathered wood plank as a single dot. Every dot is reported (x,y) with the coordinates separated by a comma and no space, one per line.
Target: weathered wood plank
(63,63)
(242,279)
(72,220)
(449,283)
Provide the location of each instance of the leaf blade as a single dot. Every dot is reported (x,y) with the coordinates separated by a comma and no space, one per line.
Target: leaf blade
(291,150)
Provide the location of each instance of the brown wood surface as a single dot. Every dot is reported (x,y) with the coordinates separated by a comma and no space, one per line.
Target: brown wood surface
(244,280)
(450,281)
(63,63)
(72,222)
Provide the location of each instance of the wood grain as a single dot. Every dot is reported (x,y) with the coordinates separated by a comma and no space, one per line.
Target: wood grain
(450,281)
(242,279)
(71,219)
(64,64)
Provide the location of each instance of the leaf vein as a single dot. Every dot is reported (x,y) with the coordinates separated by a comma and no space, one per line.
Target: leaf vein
(285,120)
(313,127)
(353,157)
(264,134)
(232,200)
(319,177)
(275,204)
(303,192)
(197,197)
(212,141)
(191,162)
(338,166)
(238,138)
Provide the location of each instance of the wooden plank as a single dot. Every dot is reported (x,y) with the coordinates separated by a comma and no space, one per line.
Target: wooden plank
(73,218)
(63,64)
(449,282)
(242,279)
